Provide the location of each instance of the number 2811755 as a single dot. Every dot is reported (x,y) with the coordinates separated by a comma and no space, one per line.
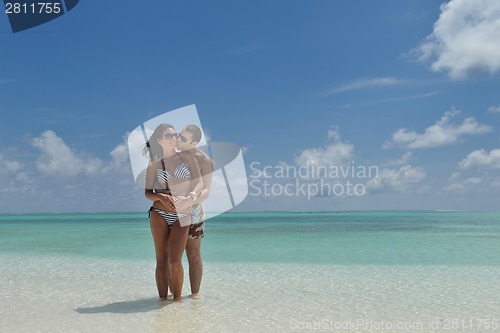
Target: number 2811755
(33,8)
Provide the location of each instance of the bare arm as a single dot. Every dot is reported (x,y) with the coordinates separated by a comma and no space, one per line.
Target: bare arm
(148,190)
(196,180)
(206,169)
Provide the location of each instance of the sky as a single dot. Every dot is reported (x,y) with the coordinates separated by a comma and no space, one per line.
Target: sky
(394,104)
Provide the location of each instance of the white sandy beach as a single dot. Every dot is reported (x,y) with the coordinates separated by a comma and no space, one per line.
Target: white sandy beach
(42,294)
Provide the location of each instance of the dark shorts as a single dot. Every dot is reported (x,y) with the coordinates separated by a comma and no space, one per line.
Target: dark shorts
(197,228)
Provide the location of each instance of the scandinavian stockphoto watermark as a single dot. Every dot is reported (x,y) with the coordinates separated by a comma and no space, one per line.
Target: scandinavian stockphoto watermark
(310,180)
(361,324)
(380,325)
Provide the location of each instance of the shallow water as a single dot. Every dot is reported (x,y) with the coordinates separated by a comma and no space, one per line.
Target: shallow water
(272,272)
(57,294)
(346,238)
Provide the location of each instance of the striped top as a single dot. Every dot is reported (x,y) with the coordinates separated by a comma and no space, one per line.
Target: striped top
(181,172)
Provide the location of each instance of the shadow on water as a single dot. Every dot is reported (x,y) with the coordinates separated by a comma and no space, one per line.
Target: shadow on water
(136,306)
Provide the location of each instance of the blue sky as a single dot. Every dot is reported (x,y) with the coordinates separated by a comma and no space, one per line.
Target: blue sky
(410,87)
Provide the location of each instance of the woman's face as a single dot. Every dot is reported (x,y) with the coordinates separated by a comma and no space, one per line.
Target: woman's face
(169,140)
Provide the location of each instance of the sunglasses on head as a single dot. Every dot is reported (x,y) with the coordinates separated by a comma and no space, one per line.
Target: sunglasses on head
(169,136)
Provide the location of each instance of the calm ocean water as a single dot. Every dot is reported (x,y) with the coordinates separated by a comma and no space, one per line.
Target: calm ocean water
(380,271)
(376,238)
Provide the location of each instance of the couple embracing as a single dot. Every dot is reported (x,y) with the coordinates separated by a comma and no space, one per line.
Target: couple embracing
(178,180)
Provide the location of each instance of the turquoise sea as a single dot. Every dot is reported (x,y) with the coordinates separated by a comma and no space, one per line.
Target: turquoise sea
(375,271)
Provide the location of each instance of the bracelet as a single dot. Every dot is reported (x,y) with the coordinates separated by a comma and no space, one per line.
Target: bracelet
(193,195)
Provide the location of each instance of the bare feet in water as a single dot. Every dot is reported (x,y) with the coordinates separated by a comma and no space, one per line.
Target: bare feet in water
(169,297)
(195,295)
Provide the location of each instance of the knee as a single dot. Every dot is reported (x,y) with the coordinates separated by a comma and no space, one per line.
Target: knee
(175,263)
(161,262)
(193,256)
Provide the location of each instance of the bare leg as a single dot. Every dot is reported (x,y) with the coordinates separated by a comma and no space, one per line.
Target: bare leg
(195,265)
(160,231)
(176,244)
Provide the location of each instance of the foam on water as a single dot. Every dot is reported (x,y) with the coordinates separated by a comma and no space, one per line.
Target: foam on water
(58,294)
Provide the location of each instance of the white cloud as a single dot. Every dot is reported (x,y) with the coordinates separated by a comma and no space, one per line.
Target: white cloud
(119,156)
(494,109)
(481,158)
(13,166)
(9,166)
(443,132)
(454,177)
(13,177)
(456,185)
(57,159)
(97,180)
(396,180)
(333,133)
(473,180)
(455,188)
(335,152)
(401,98)
(465,37)
(403,160)
(120,160)
(363,83)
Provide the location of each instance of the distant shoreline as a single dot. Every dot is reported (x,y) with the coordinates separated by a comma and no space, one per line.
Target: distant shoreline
(268,212)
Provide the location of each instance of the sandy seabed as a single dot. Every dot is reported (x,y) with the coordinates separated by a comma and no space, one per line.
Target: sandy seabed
(61,294)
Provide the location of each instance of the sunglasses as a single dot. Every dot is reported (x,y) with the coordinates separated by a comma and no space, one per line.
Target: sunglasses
(169,136)
(183,138)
